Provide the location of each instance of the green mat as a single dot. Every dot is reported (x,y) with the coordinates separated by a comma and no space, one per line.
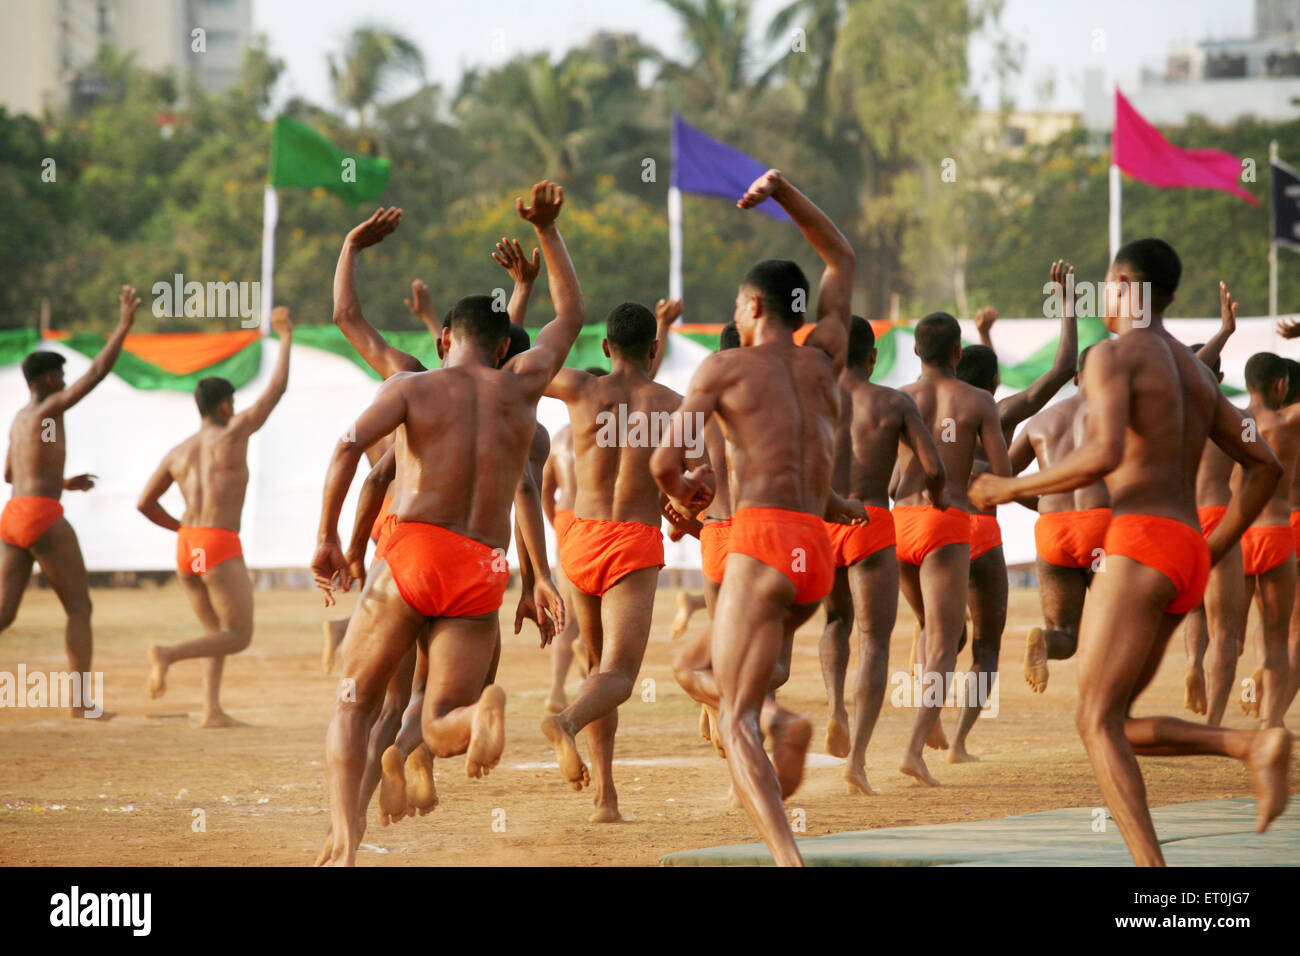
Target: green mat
(1206,833)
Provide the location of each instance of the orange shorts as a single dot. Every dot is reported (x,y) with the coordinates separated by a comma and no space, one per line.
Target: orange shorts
(563,518)
(377,528)
(1071,539)
(851,543)
(715,542)
(199,550)
(1171,547)
(1210,516)
(441,573)
(985,535)
(922,529)
(792,542)
(1265,547)
(596,555)
(1295,529)
(25,519)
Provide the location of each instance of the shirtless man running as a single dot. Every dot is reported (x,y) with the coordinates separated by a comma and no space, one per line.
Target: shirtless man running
(875,421)
(442,571)
(211,470)
(934,545)
(1068,534)
(613,549)
(1152,404)
(32,526)
(778,406)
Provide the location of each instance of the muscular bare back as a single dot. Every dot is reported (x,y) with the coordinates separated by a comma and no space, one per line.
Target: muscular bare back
(878,418)
(211,469)
(37,451)
(563,467)
(957,415)
(1053,433)
(716,444)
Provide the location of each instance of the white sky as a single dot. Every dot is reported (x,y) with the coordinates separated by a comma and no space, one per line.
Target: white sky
(1057,35)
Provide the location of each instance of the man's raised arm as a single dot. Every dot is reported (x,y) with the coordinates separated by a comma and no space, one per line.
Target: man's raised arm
(103,363)
(1210,351)
(1014,409)
(421,305)
(256,415)
(509,255)
(667,311)
(540,363)
(370,345)
(835,294)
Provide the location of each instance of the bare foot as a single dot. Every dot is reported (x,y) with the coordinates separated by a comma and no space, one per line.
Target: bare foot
(1036,661)
(606,808)
(566,752)
(1194,690)
(1268,762)
(685,608)
(715,735)
(790,736)
(914,766)
(219,719)
(421,794)
(837,737)
(487,734)
(959,754)
(705,723)
(393,804)
(327,850)
(1250,706)
(937,740)
(158,665)
(334,633)
(857,781)
(733,799)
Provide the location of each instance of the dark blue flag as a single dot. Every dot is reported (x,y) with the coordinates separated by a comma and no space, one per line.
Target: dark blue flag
(1286,206)
(702,164)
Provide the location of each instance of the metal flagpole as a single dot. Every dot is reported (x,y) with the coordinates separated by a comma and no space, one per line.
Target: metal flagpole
(1272,237)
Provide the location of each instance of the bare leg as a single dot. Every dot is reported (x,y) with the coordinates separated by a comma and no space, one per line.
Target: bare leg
(834,653)
(687,605)
(380,634)
(562,649)
(988,607)
(461,715)
(15,572)
(334,632)
(943,578)
(1123,637)
(1276,601)
(60,556)
(392,799)
(1061,592)
(1225,601)
(748,636)
(1196,640)
(874,583)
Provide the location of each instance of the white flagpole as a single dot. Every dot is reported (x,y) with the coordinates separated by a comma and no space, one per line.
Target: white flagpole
(1272,235)
(674,243)
(270,214)
(1114,211)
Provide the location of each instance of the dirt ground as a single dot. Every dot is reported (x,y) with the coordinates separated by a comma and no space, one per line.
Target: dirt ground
(124,792)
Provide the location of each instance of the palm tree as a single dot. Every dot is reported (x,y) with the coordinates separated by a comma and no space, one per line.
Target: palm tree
(372,59)
(716,77)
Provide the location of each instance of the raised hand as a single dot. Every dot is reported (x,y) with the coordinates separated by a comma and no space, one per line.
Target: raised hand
(548,198)
(280,321)
(1228,312)
(509,255)
(760,189)
(128,302)
(79,482)
(1289,328)
(419,303)
(668,310)
(1062,273)
(330,569)
(374,229)
(984,319)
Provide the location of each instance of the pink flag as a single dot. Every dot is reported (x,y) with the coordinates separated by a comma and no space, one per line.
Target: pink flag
(1138,148)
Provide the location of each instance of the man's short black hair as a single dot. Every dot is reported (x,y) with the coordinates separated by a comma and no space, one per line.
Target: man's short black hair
(519,341)
(596,370)
(1154,261)
(729,337)
(474,317)
(630,329)
(1293,385)
(210,393)
(1264,370)
(978,366)
(936,337)
(783,288)
(1212,366)
(40,363)
(862,339)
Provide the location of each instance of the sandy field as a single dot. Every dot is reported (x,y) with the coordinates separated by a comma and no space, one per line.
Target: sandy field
(124,792)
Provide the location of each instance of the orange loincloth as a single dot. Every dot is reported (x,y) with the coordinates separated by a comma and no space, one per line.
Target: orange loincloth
(596,555)
(441,573)
(922,529)
(715,542)
(792,542)
(1210,516)
(199,550)
(985,535)
(377,529)
(1174,549)
(851,543)
(1263,548)
(25,519)
(1071,539)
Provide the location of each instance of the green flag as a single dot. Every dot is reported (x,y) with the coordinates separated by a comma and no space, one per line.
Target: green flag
(302,157)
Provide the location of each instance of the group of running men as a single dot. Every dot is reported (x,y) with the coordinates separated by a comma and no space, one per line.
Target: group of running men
(782,458)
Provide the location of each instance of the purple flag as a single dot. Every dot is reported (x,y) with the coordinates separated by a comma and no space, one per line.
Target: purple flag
(702,164)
